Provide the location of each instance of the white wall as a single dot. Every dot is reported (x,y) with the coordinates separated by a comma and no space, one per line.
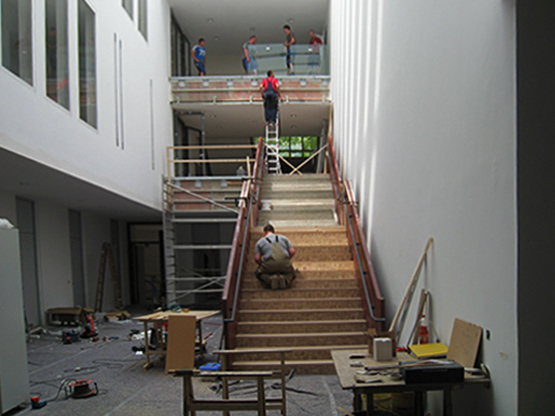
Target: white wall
(424,120)
(43,131)
(37,128)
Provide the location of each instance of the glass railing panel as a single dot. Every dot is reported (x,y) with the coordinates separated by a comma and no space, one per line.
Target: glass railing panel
(307,60)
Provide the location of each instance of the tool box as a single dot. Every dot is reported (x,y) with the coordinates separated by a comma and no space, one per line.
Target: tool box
(440,372)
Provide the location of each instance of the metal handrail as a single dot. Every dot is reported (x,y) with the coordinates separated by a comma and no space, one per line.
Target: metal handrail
(361,268)
(249,195)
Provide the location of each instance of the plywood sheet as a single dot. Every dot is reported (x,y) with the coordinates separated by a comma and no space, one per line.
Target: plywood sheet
(465,341)
(181,342)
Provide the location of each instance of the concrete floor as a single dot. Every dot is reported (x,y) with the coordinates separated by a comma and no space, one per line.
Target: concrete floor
(126,389)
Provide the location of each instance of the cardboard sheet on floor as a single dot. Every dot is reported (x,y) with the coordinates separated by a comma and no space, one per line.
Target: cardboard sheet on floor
(181,342)
(465,341)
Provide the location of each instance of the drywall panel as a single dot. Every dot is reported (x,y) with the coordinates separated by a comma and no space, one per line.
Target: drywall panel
(424,121)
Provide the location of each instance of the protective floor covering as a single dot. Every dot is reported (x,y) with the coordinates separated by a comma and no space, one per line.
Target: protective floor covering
(126,389)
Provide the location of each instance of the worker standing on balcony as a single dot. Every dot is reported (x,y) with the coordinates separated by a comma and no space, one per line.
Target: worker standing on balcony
(314,52)
(273,253)
(249,56)
(289,40)
(199,55)
(271,94)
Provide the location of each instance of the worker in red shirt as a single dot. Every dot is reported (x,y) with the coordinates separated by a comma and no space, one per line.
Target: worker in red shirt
(271,93)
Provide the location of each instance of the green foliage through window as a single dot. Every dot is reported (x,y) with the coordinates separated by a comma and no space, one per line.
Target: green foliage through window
(298,146)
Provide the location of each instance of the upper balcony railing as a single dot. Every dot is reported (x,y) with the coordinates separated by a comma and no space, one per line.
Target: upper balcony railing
(235,89)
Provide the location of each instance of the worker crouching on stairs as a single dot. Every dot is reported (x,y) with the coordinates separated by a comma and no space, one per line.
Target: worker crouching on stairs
(273,253)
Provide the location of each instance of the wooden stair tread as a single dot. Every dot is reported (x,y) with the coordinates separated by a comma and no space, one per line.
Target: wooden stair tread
(315,347)
(323,322)
(305,335)
(301,310)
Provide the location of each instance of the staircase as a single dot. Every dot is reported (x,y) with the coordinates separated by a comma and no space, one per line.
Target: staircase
(323,310)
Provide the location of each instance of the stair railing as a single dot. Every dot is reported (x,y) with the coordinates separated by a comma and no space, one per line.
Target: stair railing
(374,304)
(248,216)
(336,184)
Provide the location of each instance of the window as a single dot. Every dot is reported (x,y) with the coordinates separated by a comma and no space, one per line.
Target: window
(57,63)
(87,64)
(179,47)
(143,21)
(297,146)
(128,6)
(17,45)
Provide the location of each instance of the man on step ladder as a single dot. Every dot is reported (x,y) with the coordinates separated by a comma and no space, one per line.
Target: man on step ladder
(271,93)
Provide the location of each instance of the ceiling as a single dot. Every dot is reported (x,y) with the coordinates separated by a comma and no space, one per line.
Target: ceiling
(227,24)
(247,120)
(29,179)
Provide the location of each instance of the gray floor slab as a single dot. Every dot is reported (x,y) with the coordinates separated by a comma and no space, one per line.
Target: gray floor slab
(126,389)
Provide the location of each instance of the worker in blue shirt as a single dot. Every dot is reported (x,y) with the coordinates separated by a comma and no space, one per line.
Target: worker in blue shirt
(199,55)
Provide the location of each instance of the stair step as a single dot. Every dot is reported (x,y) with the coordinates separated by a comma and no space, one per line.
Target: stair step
(296,293)
(294,315)
(304,283)
(300,223)
(301,326)
(320,266)
(306,194)
(318,252)
(308,232)
(273,304)
(308,339)
(312,214)
(307,177)
(313,275)
(298,353)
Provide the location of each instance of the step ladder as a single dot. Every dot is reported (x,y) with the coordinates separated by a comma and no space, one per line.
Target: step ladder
(107,254)
(272,148)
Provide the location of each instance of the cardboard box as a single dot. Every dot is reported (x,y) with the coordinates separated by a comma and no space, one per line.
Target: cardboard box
(374,333)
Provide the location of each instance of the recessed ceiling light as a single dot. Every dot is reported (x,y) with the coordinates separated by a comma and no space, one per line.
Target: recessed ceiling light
(210,20)
(252,28)
(293,115)
(290,20)
(216,38)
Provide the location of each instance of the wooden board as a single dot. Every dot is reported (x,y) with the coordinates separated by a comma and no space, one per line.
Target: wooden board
(181,342)
(465,341)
